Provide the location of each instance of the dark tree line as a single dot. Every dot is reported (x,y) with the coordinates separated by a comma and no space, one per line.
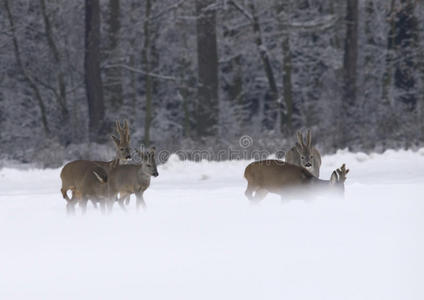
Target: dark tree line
(202,73)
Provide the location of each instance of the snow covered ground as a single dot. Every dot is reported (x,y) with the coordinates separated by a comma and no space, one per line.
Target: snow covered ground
(201,239)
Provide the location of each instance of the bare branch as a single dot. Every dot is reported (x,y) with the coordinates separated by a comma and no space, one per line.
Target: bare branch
(240,8)
(166,10)
(159,76)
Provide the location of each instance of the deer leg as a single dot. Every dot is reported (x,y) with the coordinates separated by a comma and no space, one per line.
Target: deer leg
(121,202)
(140,200)
(285,199)
(70,207)
(259,195)
(103,206)
(83,204)
(249,191)
(109,204)
(64,194)
(94,202)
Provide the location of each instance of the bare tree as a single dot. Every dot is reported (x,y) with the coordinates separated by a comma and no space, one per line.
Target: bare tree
(59,91)
(93,81)
(283,11)
(406,41)
(113,80)
(207,58)
(251,14)
(350,67)
(27,76)
(145,56)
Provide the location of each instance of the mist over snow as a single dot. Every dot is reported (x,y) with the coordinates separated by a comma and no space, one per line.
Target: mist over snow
(200,238)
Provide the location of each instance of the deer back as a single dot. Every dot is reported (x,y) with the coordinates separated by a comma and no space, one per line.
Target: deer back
(93,182)
(275,175)
(124,178)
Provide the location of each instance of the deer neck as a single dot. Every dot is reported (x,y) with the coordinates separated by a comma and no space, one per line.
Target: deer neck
(141,171)
(319,182)
(115,162)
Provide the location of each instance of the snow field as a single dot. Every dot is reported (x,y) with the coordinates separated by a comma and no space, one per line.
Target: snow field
(201,239)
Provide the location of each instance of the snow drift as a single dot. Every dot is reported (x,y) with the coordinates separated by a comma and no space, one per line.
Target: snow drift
(201,239)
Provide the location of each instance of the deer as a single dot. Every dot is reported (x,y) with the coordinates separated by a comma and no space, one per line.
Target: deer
(75,173)
(304,155)
(132,179)
(93,186)
(284,179)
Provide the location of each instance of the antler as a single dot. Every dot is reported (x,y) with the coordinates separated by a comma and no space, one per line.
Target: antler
(300,139)
(309,138)
(123,131)
(342,171)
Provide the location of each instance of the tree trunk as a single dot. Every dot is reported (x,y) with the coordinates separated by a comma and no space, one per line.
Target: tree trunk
(388,73)
(283,10)
(61,93)
(28,78)
(113,75)
(207,111)
(132,61)
(350,69)
(405,39)
(93,81)
(145,55)
(275,108)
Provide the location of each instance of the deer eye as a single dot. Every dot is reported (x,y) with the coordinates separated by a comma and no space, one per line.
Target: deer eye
(122,149)
(312,156)
(303,157)
(149,166)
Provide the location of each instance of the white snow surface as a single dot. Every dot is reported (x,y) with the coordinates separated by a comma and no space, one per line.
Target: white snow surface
(200,238)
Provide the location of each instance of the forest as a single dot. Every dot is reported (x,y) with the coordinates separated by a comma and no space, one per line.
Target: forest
(200,74)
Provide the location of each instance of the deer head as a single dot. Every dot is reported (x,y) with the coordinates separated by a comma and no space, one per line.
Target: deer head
(338,177)
(123,142)
(148,162)
(304,150)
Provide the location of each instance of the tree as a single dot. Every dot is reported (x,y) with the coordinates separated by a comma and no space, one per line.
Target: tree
(27,76)
(113,80)
(350,68)
(59,88)
(93,81)
(274,109)
(405,42)
(207,59)
(283,9)
(145,56)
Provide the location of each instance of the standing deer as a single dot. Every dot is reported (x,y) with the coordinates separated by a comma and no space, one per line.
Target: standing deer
(93,186)
(304,155)
(75,173)
(132,179)
(278,177)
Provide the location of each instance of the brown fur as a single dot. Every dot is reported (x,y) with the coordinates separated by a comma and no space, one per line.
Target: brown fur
(132,179)
(275,176)
(75,173)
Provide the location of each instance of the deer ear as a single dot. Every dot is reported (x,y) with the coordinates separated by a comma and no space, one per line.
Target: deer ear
(127,131)
(333,178)
(116,140)
(298,148)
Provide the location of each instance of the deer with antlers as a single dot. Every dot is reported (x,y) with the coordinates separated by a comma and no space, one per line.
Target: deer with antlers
(284,179)
(304,155)
(87,179)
